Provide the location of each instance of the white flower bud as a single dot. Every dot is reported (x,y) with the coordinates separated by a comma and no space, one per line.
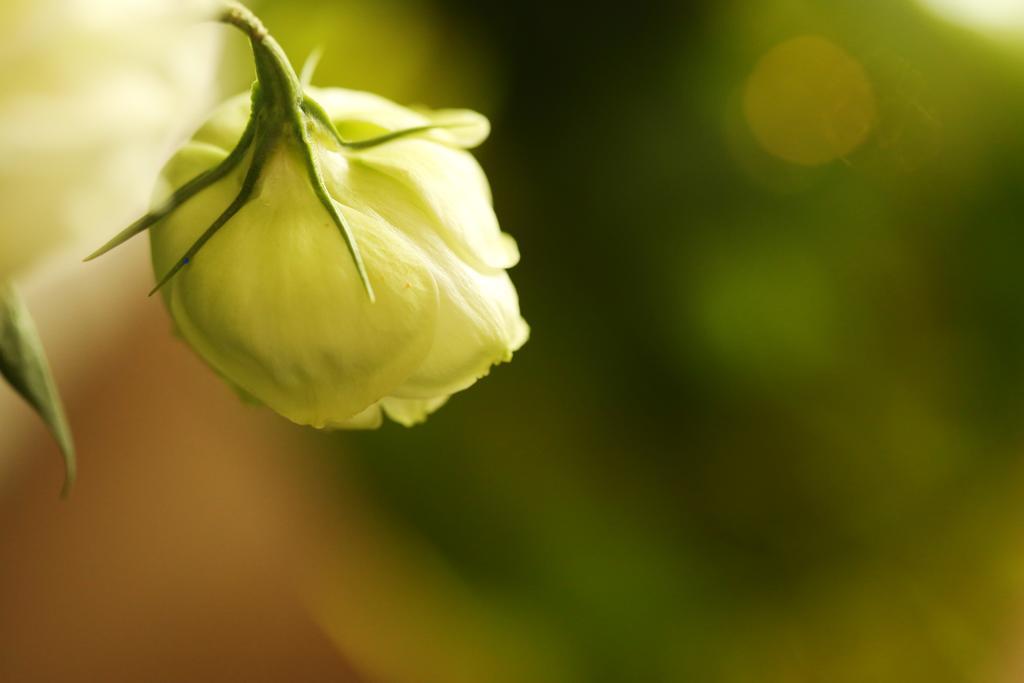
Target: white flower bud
(274,301)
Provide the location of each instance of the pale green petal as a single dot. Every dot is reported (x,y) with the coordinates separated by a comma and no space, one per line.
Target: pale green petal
(371,418)
(362,115)
(182,168)
(478,326)
(453,192)
(463,128)
(274,301)
(225,127)
(411,412)
(478,321)
(406,412)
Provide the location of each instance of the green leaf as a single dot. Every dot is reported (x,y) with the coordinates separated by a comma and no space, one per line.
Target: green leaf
(23,364)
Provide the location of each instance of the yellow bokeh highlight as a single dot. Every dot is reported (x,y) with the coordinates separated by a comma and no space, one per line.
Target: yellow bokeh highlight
(809,102)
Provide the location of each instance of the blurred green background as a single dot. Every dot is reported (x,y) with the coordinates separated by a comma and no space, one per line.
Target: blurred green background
(770,423)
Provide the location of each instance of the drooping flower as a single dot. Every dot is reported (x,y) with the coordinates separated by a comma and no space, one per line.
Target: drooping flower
(331,254)
(274,301)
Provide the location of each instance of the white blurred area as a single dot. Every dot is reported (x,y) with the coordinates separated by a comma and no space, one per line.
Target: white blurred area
(94,96)
(987,15)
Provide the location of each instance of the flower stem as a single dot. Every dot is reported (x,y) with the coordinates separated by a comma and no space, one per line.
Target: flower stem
(278,113)
(277,77)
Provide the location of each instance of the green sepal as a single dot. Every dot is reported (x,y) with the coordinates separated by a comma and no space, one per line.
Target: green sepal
(309,67)
(316,111)
(277,98)
(252,176)
(370,143)
(189,189)
(23,364)
(320,189)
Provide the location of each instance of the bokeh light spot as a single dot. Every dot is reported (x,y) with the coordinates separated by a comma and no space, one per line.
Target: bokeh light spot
(809,102)
(984,14)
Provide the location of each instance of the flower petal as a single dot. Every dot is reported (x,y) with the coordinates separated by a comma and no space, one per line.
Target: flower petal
(451,191)
(463,128)
(411,412)
(362,115)
(478,326)
(478,322)
(371,418)
(225,127)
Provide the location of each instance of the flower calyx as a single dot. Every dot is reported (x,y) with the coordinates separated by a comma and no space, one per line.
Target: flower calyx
(282,114)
